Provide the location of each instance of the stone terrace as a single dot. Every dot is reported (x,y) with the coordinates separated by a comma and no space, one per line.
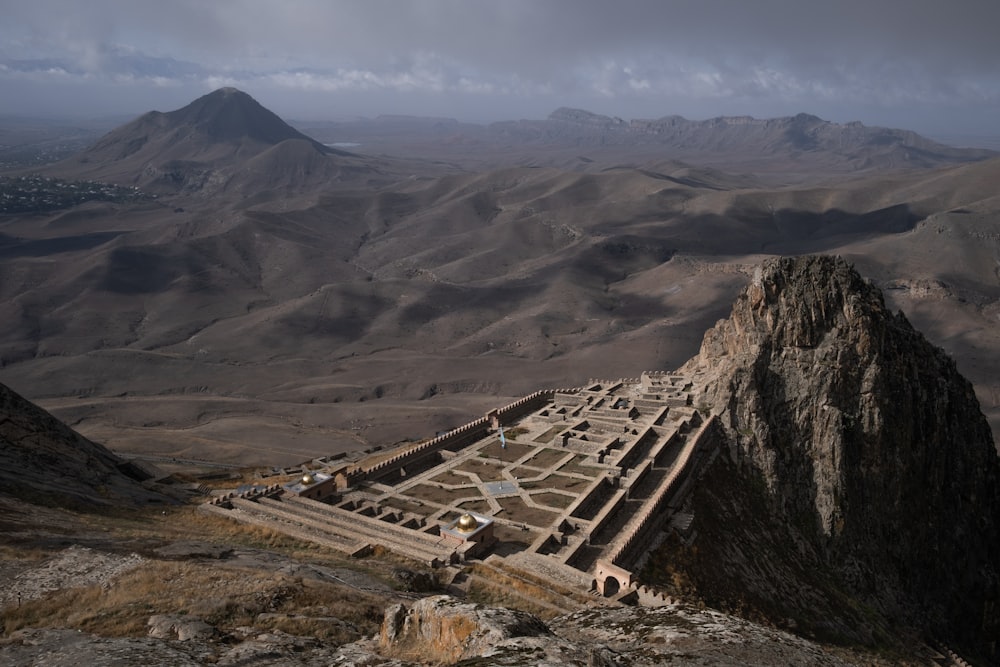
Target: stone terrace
(581,487)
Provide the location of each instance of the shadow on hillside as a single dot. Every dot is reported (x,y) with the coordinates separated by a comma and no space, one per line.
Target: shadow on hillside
(11,247)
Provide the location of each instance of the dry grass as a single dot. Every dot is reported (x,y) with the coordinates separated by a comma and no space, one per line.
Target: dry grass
(530,582)
(495,594)
(224,597)
(521,590)
(145,530)
(220,593)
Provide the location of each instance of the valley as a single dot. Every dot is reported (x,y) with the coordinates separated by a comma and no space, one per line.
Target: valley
(278,302)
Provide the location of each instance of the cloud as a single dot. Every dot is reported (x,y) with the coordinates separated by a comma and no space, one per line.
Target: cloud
(675,55)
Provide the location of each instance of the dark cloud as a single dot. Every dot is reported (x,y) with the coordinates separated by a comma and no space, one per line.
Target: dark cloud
(881,58)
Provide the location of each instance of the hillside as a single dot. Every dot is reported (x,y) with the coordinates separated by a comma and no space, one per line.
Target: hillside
(45,462)
(283,303)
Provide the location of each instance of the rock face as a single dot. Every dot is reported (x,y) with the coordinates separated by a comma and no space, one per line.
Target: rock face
(871,448)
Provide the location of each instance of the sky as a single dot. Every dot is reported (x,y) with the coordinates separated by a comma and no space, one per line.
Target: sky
(927,65)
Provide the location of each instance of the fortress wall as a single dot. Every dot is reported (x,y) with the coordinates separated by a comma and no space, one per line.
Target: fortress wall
(648,596)
(463,435)
(568,399)
(415,464)
(250,494)
(614,424)
(609,511)
(460,437)
(391,533)
(663,450)
(636,532)
(608,386)
(637,448)
(654,409)
(524,406)
(581,445)
(637,475)
(585,506)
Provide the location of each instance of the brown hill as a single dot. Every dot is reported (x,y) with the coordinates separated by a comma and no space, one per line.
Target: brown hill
(219,141)
(45,462)
(354,302)
(859,462)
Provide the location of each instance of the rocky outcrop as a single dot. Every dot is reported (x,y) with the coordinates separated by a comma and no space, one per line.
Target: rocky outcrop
(866,444)
(602,637)
(443,629)
(180,627)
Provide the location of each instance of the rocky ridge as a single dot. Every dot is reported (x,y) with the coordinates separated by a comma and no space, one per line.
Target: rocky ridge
(863,145)
(863,453)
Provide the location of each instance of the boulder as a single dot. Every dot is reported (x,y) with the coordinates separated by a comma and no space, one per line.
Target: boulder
(443,629)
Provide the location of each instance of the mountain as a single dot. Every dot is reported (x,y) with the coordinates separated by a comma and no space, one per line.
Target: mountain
(45,462)
(209,146)
(287,288)
(803,133)
(785,150)
(803,138)
(861,491)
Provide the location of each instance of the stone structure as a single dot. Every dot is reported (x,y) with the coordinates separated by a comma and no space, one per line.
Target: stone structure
(316,485)
(583,484)
(470,529)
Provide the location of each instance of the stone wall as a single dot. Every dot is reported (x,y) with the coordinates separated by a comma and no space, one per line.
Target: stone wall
(636,532)
(462,436)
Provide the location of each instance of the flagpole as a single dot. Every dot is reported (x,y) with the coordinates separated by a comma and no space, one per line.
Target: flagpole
(503,446)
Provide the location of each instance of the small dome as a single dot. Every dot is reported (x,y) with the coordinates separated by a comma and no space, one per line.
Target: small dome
(466,523)
(308,479)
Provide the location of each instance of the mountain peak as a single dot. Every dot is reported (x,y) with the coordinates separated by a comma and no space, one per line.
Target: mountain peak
(571,115)
(229,114)
(865,441)
(207,143)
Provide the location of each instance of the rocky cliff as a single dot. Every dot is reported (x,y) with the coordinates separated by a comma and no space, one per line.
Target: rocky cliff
(862,491)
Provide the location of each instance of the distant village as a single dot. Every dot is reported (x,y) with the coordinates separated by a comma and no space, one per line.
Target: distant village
(37,194)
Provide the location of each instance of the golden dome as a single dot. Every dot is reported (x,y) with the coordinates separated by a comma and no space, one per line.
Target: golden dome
(466,523)
(308,479)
